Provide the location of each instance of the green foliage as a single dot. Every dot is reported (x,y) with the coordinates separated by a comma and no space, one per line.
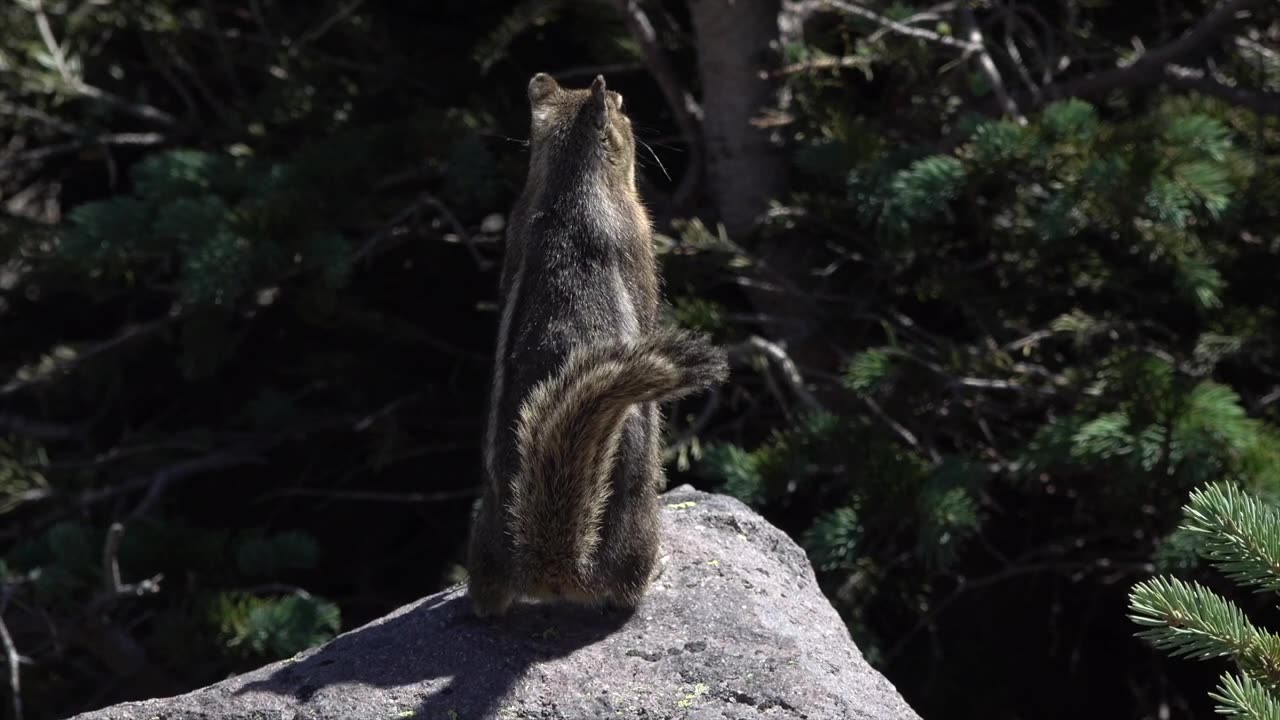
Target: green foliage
(698,313)
(194,205)
(949,511)
(832,541)
(868,371)
(1071,121)
(247,263)
(66,564)
(1241,539)
(1241,534)
(274,627)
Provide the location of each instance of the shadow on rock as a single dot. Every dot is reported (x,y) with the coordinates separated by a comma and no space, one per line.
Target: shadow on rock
(435,658)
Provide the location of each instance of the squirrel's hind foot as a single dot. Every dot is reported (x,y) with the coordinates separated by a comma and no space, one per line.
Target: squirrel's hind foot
(490,601)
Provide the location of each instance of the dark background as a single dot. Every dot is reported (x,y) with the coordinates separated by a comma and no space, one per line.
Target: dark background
(987,328)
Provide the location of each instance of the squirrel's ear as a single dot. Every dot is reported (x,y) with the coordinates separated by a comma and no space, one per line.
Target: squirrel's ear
(541,88)
(600,101)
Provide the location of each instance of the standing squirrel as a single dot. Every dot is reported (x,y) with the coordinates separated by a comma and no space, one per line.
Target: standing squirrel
(572,449)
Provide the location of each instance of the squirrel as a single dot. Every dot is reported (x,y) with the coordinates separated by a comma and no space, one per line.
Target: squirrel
(572,449)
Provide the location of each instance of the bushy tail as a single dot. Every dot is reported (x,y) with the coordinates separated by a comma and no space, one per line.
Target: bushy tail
(568,436)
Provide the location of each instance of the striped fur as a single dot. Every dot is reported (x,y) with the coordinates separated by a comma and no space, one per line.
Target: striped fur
(572,450)
(568,435)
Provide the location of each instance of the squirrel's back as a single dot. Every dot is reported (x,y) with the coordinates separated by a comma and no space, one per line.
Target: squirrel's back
(572,443)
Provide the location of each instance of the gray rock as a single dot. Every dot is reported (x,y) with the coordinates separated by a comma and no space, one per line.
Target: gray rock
(734,629)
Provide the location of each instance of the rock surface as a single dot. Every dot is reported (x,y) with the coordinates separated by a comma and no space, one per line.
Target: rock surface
(735,628)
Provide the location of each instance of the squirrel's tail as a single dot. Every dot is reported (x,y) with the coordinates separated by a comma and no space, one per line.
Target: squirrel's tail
(568,435)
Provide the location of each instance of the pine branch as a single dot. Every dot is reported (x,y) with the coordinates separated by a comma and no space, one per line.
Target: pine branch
(1242,534)
(1241,696)
(1188,620)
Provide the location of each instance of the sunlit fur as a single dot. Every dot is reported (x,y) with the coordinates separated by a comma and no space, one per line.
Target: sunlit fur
(572,456)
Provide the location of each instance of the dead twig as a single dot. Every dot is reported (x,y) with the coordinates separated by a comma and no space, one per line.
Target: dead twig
(1200,81)
(113,585)
(756,346)
(324,26)
(62,366)
(465,237)
(823,63)
(159,481)
(699,424)
(38,429)
(688,113)
(66,148)
(424,200)
(14,661)
(1150,67)
(978,45)
(856,10)
(30,113)
(375,496)
(224,54)
(78,85)
(901,430)
(932,14)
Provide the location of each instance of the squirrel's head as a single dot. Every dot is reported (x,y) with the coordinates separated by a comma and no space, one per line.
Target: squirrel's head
(581,131)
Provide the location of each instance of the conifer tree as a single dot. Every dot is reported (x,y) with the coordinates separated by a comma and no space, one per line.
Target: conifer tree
(1239,534)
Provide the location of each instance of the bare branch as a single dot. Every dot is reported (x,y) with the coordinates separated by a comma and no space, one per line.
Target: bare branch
(113,586)
(975,44)
(699,424)
(109,139)
(901,430)
(758,346)
(15,678)
(15,110)
(688,113)
(376,496)
(465,237)
(224,54)
(988,65)
(344,12)
(161,480)
(932,14)
(1150,67)
(60,366)
(78,85)
(1195,80)
(423,201)
(141,110)
(38,429)
(1253,47)
(111,559)
(823,63)
(854,9)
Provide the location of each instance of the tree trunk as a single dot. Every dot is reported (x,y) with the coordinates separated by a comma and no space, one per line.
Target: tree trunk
(746,169)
